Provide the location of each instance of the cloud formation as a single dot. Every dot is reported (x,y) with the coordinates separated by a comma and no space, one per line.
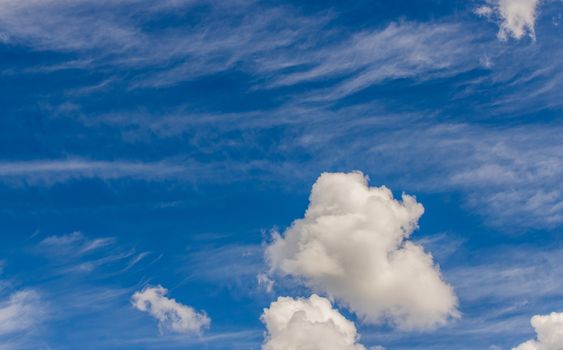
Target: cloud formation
(367,58)
(352,244)
(53,171)
(228,35)
(74,243)
(171,315)
(21,311)
(517,17)
(512,176)
(300,324)
(549,329)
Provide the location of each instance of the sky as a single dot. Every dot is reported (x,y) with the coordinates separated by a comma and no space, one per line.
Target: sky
(281,175)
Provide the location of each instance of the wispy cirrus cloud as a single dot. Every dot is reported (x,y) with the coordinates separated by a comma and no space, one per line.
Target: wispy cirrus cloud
(23,313)
(20,311)
(239,340)
(47,172)
(81,25)
(53,171)
(231,265)
(74,242)
(79,254)
(219,35)
(513,276)
(280,45)
(512,173)
(412,50)
(282,48)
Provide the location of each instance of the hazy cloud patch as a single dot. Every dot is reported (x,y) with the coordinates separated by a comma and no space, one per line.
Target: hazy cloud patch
(20,311)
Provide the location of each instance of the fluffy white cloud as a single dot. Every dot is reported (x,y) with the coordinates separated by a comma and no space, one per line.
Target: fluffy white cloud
(352,244)
(171,315)
(308,324)
(21,311)
(549,329)
(517,17)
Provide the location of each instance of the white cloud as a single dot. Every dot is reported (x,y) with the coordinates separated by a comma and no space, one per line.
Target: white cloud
(53,171)
(18,22)
(20,311)
(308,324)
(512,176)
(63,240)
(549,329)
(279,39)
(485,11)
(517,17)
(47,172)
(171,315)
(352,244)
(222,34)
(73,244)
(370,57)
(78,253)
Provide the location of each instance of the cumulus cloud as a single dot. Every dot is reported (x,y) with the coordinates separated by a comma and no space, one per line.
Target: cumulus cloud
(171,315)
(549,329)
(308,324)
(20,311)
(517,17)
(353,245)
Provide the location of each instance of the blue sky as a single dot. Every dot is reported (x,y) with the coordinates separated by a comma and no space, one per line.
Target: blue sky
(147,144)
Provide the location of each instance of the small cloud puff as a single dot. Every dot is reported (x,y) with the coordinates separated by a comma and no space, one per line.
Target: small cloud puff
(517,17)
(299,324)
(353,245)
(549,329)
(171,315)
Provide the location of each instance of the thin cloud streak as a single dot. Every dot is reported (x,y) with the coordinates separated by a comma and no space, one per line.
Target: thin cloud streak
(55,171)
(509,175)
